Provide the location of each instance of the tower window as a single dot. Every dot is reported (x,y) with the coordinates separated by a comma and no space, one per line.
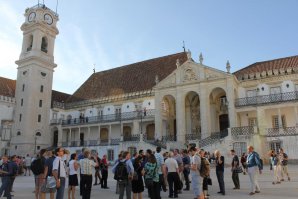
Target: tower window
(30,43)
(44,45)
(18,133)
(39,118)
(23,87)
(20,118)
(40,103)
(22,102)
(41,88)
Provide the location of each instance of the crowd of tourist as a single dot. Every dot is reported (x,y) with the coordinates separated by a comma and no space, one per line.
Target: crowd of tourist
(171,172)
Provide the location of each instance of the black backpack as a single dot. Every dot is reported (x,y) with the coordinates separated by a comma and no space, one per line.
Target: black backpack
(121,172)
(37,166)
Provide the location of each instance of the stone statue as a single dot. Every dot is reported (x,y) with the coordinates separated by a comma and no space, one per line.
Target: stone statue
(188,55)
(228,66)
(178,63)
(201,58)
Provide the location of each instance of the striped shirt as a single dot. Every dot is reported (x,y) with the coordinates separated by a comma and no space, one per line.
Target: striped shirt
(86,166)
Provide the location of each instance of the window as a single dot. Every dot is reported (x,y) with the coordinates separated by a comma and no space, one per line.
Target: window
(275,145)
(15,147)
(38,148)
(40,103)
(252,121)
(20,118)
(22,102)
(23,87)
(275,122)
(44,44)
(39,118)
(100,113)
(18,133)
(118,112)
(41,88)
(110,155)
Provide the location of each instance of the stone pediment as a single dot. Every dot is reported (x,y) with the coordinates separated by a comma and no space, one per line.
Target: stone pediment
(189,72)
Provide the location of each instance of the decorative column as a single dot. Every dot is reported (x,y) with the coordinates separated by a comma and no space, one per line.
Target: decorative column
(180,116)
(158,116)
(279,119)
(98,138)
(69,137)
(204,112)
(259,140)
(231,103)
(88,136)
(110,131)
(296,115)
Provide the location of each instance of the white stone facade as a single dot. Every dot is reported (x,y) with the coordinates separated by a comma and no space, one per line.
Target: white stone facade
(194,104)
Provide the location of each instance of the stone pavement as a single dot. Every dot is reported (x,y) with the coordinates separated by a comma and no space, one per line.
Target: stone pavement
(24,186)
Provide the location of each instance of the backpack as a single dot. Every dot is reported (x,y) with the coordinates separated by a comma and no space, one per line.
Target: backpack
(205,168)
(121,172)
(37,166)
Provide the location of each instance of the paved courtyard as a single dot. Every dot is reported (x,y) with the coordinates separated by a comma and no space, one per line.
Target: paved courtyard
(24,186)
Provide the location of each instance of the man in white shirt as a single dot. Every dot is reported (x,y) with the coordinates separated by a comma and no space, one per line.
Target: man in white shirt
(173,177)
(195,173)
(59,172)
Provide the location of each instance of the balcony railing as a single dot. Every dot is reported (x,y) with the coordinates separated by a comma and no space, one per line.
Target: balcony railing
(243,132)
(133,138)
(262,100)
(168,138)
(104,142)
(115,141)
(277,132)
(110,118)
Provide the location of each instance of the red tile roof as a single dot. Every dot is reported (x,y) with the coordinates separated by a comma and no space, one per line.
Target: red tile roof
(127,79)
(59,96)
(7,87)
(282,63)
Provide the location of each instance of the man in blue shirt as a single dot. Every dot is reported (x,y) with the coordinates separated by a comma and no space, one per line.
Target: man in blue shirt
(125,183)
(254,168)
(5,177)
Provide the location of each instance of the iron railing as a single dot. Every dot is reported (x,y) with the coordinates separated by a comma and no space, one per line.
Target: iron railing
(213,138)
(141,115)
(155,142)
(93,142)
(168,138)
(243,132)
(193,136)
(262,100)
(131,138)
(277,132)
(115,141)
(104,142)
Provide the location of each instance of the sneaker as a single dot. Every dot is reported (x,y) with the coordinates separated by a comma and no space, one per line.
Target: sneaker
(273,182)
(278,182)
(282,180)
(258,191)
(289,179)
(251,193)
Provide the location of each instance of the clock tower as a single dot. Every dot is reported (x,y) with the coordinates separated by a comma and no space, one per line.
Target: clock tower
(31,129)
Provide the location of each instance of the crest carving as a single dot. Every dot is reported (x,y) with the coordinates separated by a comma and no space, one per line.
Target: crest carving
(189,75)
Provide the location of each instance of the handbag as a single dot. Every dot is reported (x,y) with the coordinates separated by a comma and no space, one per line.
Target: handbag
(149,182)
(51,182)
(238,169)
(209,181)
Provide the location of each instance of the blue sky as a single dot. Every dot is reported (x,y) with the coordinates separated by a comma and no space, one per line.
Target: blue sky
(112,33)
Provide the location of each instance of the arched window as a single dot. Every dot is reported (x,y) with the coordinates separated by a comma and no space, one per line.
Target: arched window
(30,43)
(44,44)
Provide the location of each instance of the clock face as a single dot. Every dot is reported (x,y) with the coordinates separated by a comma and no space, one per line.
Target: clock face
(48,18)
(31,16)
